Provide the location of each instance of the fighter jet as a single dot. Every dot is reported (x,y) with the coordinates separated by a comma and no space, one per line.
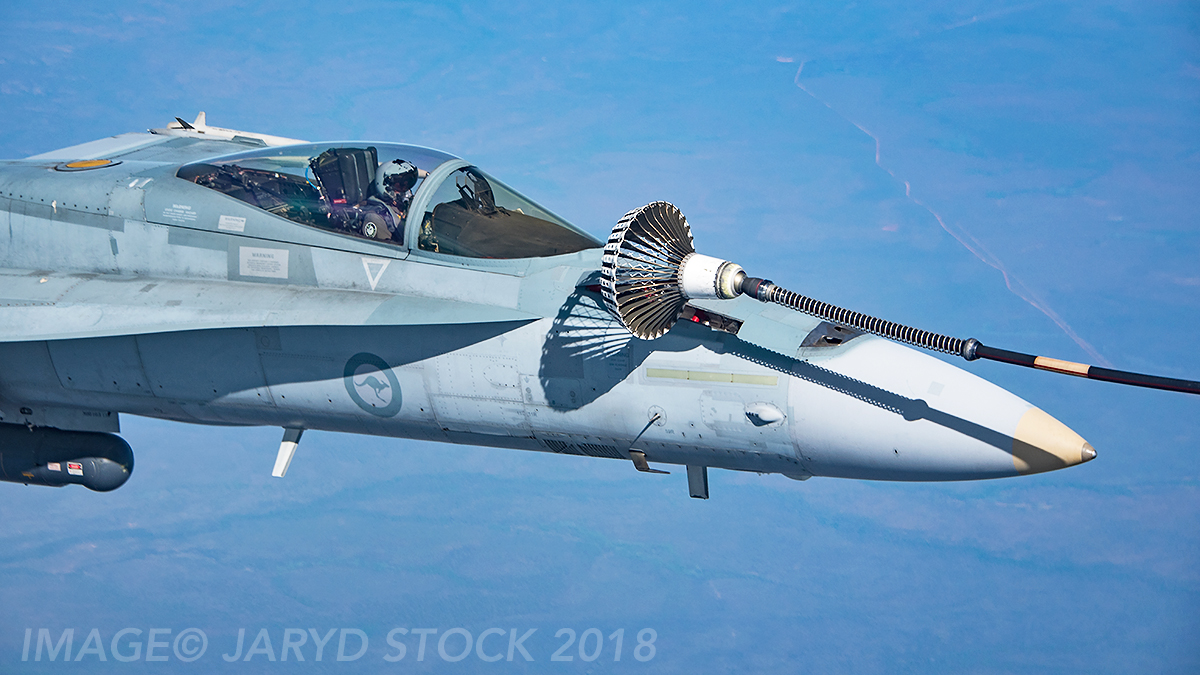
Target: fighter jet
(215,276)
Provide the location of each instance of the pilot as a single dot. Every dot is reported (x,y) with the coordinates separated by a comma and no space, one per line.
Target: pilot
(394,181)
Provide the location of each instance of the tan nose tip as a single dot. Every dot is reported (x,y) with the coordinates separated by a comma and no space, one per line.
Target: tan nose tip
(1042,443)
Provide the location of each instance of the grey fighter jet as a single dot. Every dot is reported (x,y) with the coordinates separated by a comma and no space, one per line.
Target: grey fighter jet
(215,276)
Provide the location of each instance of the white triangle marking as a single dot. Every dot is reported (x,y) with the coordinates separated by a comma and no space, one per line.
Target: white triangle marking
(378,274)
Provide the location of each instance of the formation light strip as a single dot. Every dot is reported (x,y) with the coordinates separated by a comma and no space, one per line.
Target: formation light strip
(705,376)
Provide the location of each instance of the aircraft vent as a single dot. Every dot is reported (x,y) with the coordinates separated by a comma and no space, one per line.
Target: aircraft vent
(561,447)
(587,449)
(598,450)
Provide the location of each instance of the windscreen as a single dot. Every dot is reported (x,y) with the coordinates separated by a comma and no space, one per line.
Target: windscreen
(472,214)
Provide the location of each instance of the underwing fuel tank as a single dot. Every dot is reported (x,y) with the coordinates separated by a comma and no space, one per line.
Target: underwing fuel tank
(45,456)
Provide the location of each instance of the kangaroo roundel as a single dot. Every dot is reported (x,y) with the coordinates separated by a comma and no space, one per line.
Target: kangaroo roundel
(372,385)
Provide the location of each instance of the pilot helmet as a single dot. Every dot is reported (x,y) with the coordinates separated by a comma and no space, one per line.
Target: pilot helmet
(394,179)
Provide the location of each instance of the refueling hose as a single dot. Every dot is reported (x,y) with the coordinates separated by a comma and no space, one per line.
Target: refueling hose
(970,349)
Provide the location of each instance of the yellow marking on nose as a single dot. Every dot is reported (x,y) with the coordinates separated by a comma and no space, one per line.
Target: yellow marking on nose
(1042,443)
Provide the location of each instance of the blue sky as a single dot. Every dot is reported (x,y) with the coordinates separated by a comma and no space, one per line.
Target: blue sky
(1052,157)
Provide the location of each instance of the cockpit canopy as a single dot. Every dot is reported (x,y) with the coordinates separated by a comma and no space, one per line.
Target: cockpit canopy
(454,208)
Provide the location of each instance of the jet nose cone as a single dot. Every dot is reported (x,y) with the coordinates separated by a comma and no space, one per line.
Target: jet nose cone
(1042,443)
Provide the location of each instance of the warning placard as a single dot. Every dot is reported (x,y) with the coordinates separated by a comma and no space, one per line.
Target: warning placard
(231,224)
(263,262)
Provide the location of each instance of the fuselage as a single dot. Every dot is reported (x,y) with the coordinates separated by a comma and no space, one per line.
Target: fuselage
(125,288)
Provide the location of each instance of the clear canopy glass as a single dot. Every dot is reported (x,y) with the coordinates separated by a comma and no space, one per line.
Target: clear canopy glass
(332,186)
(472,214)
(326,185)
